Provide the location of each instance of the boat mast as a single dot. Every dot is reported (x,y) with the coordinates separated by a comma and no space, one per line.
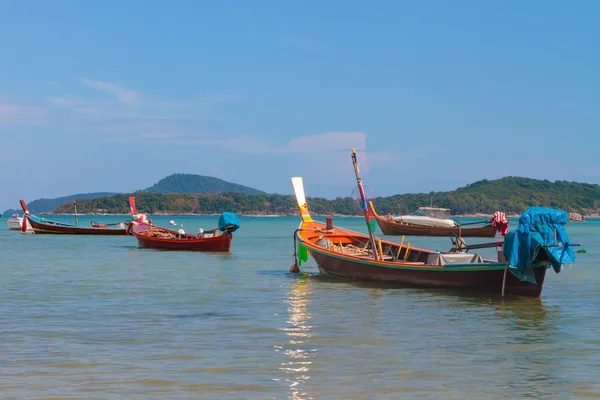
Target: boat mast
(365,205)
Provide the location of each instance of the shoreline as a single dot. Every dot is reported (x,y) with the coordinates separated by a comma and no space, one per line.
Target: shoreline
(477,215)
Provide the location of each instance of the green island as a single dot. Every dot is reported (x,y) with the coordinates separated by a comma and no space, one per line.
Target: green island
(511,195)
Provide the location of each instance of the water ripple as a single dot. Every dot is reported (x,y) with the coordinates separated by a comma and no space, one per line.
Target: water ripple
(98,318)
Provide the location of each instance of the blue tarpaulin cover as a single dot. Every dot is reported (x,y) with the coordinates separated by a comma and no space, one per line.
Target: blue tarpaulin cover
(535,232)
(229,222)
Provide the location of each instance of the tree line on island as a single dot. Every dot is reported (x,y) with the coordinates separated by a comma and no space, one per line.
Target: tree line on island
(512,195)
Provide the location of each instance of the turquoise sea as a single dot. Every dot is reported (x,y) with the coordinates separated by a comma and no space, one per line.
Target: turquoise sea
(84,317)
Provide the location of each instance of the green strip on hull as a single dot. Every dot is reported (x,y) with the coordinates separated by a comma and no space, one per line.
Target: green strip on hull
(446,268)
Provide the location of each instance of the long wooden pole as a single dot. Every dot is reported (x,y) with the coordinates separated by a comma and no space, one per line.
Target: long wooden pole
(365,203)
(75,205)
(504,278)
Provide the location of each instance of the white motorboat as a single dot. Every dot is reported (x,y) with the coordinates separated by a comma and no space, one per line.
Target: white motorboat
(14,223)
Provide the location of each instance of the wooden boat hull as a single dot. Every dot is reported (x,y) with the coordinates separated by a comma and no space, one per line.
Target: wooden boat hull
(349,255)
(219,243)
(391,227)
(50,228)
(412,270)
(483,280)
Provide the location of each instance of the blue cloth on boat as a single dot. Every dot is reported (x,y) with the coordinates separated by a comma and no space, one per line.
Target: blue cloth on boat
(229,222)
(534,239)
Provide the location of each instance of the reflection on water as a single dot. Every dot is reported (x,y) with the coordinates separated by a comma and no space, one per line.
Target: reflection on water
(297,351)
(97,317)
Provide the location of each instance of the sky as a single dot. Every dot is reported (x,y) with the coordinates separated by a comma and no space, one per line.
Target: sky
(112,96)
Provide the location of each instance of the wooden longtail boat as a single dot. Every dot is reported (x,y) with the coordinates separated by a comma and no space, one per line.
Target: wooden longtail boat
(156,237)
(42,225)
(392,226)
(349,255)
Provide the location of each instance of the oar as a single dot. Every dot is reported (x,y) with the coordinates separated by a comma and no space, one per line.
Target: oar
(75,205)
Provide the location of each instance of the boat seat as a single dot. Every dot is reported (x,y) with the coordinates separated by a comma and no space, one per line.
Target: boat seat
(453,258)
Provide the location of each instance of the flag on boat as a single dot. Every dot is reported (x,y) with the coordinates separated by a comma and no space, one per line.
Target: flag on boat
(302,254)
(364,204)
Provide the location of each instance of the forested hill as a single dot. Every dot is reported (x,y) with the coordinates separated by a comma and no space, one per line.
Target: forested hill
(176,183)
(509,194)
(190,183)
(48,205)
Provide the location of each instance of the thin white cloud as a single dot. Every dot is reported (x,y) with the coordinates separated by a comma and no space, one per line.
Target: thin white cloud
(325,142)
(126,96)
(157,136)
(305,43)
(18,114)
(154,113)
(241,144)
(75,104)
(330,142)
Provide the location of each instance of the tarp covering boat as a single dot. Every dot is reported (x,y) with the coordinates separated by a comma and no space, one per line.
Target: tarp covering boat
(229,222)
(540,237)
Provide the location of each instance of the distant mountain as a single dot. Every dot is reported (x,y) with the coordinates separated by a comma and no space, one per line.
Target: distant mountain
(194,184)
(49,205)
(511,194)
(176,183)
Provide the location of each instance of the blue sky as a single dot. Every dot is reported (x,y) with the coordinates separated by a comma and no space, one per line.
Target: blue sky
(114,96)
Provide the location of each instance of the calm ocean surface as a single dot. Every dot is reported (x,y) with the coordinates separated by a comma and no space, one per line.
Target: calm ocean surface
(99,318)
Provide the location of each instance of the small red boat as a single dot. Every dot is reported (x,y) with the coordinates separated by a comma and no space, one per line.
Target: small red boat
(156,237)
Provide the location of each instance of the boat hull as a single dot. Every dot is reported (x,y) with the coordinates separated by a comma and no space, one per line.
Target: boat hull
(50,228)
(220,243)
(482,280)
(14,223)
(392,227)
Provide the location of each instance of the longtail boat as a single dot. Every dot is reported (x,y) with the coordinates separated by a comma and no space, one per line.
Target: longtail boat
(156,237)
(539,242)
(43,225)
(391,225)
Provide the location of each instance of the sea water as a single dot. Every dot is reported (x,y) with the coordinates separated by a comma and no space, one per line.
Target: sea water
(96,317)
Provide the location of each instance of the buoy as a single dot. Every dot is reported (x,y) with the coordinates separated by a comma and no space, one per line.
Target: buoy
(171,222)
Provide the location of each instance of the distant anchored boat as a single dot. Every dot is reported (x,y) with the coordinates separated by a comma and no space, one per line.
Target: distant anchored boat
(576,217)
(430,221)
(43,225)
(156,237)
(15,223)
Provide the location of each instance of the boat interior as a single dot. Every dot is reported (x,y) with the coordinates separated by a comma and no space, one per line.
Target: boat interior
(49,222)
(360,246)
(162,233)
